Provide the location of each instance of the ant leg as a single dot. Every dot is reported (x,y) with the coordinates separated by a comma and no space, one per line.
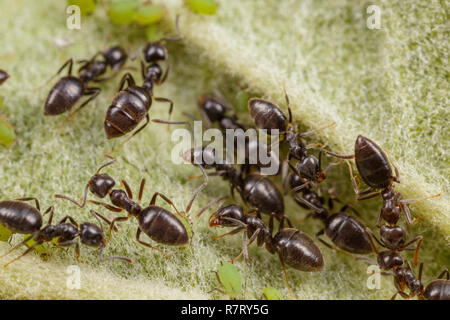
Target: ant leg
(26,252)
(50,218)
(371,261)
(409,201)
(101,258)
(444,273)
(371,237)
(408,218)
(160,99)
(112,226)
(141,190)
(311,132)
(83,203)
(419,240)
(232,232)
(147,117)
(107,206)
(285,276)
(198,190)
(348,206)
(285,176)
(127,77)
(156,194)
(19,245)
(286,97)
(93,93)
(340,156)
(70,219)
(77,248)
(98,216)
(138,234)
(404,295)
(164,78)
(245,246)
(179,34)
(220,200)
(67,63)
(128,190)
(106,164)
(31,198)
(355,186)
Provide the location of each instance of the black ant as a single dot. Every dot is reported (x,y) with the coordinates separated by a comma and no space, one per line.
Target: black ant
(293,247)
(3,76)
(375,169)
(158,223)
(153,53)
(256,190)
(393,239)
(269,116)
(214,109)
(69,89)
(22,218)
(438,289)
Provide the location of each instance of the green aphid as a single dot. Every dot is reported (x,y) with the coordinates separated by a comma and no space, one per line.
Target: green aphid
(86,6)
(242,98)
(202,6)
(5,233)
(153,33)
(122,12)
(149,14)
(270,293)
(41,249)
(7,134)
(229,277)
(1,102)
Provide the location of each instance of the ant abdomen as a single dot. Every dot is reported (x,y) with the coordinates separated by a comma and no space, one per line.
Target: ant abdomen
(64,95)
(163,226)
(263,194)
(128,108)
(267,115)
(20,217)
(347,234)
(297,250)
(373,165)
(438,289)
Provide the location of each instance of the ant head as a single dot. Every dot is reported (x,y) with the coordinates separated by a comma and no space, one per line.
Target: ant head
(101,184)
(91,234)
(226,216)
(155,51)
(211,107)
(309,168)
(115,57)
(388,260)
(392,236)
